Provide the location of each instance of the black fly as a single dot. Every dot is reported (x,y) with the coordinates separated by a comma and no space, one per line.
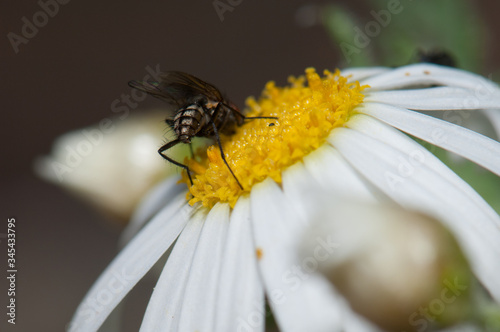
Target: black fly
(198,109)
(437,57)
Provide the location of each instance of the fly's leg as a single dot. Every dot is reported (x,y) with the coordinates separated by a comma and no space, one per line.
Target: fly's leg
(249,117)
(191,149)
(214,116)
(168,146)
(222,154)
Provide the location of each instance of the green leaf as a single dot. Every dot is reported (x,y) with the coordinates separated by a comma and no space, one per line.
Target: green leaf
(340,23)
(447,25)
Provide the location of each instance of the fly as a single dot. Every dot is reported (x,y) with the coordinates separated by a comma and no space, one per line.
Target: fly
(437,57)
(198,109)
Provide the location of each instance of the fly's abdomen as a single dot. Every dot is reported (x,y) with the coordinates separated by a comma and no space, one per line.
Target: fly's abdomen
(188,122)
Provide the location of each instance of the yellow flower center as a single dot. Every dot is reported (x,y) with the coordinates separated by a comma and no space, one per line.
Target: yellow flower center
(263,148)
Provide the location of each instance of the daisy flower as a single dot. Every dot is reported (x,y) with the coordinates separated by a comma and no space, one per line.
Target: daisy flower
(345,133)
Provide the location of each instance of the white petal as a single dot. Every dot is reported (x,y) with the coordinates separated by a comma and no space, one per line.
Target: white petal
(155,199)
(300,301)
(333,173)
(361,73)
(198,307)
(462,141)
(420,187)
(432,99)
(297,182)
(430,74)
(240,304)
(386,134)
(131,265)
(162,313)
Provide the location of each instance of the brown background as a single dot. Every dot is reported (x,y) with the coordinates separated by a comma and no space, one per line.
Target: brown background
(68,75)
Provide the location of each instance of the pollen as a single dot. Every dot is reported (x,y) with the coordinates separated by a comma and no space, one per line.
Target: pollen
(307,110)
(259,253)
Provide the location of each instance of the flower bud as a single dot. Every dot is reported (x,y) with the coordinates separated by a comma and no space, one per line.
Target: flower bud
(112,164)
(402,270)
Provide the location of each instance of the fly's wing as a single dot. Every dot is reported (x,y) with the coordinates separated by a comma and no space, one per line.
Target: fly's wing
(191,86)
(185,86)
(153,88)
(177,88)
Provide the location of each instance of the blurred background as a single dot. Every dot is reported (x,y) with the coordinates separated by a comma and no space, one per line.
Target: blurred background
(70,71)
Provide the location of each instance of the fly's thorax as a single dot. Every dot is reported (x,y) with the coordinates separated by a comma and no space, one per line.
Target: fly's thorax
(210,104)
(236,114)
(224,120)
